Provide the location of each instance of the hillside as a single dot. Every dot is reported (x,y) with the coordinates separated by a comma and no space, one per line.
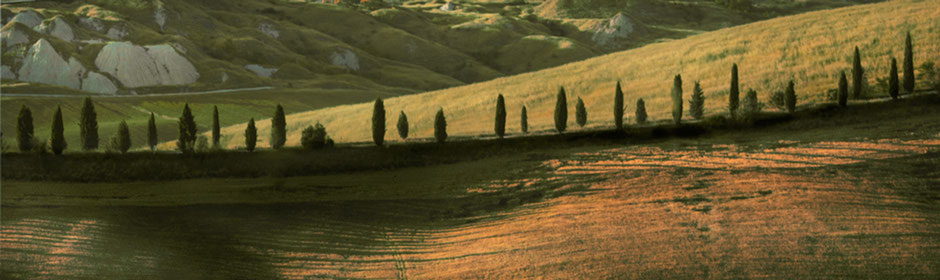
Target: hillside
(810,48)
(132,47)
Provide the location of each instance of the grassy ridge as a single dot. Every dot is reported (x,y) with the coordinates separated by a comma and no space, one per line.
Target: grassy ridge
(810,48)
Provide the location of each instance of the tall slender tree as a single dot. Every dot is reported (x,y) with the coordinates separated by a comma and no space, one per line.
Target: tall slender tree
(152,133)
(561,111)
(378,122)
(278,128)
(500,121)
(216,127)
(24,129)
(580,113)
(697,103)
(57,140)
(908,64)
(251,135)
(893,79)
(440,126)
(640,111)
(618,107)
(857,75)
(124,137)
(789,98)
(403,125)
(677,99)
(186,141)
(843,90)
(88,125)
(734,92)
(524,120)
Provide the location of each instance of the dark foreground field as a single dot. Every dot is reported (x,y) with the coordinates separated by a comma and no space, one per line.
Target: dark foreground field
(848,193)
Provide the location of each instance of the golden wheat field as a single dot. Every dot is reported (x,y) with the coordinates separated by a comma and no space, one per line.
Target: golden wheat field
(810,48)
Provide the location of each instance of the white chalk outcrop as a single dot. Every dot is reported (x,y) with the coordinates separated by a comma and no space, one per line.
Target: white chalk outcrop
(269,29)
(610,33)
(448,7)
(29,18)
(43,64)
(117,32)
(98,83)
(159,16)
(135,66)
(6,73)
(13,35)
(90,23)
(345,58)
(57,27)
(259,70)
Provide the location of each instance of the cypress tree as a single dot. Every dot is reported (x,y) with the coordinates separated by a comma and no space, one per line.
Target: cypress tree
(500,122)
(640,111)
(893,80)
(857,75)
(57,140)
(561,111)
(908,65)
(24,129)
(216,127)
(88,125)
(618,107)
(524,120)
(124,137)
(152,132)
(697,104)
(734,91)
(278,128)
(843,90)
(251,135)
(580,113)
(440,126)
(378,122)
(187,131)
(790,97)
(677,99)
(403,125)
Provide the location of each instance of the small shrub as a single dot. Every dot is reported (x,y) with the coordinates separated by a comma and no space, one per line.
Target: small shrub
(278,128)
(750,108)
(561,111)
(314,137)
(251,135)
(440,126)
(524,120)
(779,100)
(57,140)
(202,144)
(580,113)
(402,125)
(640,111)
(930,75)
(697,103)
(378,122)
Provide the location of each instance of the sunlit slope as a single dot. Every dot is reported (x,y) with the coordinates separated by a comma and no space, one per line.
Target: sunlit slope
(810,48)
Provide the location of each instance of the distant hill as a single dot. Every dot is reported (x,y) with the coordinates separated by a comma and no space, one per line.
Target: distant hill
(809,48)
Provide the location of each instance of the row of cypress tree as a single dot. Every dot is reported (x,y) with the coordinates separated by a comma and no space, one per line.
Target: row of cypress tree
(315,136)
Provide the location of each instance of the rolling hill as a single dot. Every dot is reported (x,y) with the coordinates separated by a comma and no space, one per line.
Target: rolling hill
(810,48)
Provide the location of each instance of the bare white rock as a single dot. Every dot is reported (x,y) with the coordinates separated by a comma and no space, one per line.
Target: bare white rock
(159,16)
(57,27)
(260,70)
(43,64)
(345,58)
(13,35)
(29,18)
(135,66)
(448,7)
(98,83)
(91,23)
(609,33)
(117,32)
(6,73)
(269,29)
